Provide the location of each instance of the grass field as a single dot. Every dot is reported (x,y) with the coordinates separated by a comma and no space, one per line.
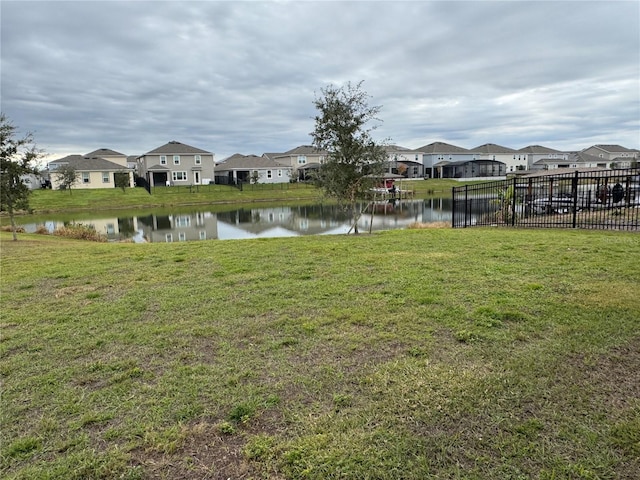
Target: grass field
(44,201)
(416,354)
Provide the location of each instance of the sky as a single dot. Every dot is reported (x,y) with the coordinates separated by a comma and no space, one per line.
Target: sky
(241,76)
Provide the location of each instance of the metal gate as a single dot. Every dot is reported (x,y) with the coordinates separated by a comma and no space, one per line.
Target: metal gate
(601,199)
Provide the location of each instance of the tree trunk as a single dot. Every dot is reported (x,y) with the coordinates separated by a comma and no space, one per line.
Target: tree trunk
(13,225)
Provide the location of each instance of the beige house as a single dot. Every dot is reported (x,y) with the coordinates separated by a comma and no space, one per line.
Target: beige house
(176,163)
(111,155)
(615,156)
(92,171)
(300,159)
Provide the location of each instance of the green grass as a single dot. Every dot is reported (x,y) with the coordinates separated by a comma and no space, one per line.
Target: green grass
(475,353)
(45,201)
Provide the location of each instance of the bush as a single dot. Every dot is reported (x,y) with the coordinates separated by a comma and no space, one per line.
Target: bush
(7,228)
(80,232)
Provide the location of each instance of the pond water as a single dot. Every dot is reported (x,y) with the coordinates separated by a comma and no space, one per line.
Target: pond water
(202,223)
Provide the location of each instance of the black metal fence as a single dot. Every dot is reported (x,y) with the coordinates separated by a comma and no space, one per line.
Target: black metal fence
(602,199)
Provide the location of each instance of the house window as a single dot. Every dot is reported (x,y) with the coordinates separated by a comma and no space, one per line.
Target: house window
(105,177)
(302,159)
(183,221)
(179,176)
(168,238)
(176,159)
(198,159)
(85,177)
(163,159)
(268,173)
(202,235)
(182,236)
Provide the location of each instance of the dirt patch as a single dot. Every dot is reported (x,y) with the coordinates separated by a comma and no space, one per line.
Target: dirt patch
(206,454)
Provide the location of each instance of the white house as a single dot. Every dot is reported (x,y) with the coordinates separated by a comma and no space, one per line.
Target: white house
(438,152)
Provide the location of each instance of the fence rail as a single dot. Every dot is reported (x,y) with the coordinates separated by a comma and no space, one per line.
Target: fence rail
(602,199)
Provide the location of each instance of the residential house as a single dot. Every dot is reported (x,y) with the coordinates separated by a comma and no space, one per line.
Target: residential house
(111,155)
(498,153)
(572,160)
(240,168)
(301,159)
(532,153)
(404,161)
(176,163)
(439,152)
(93,172)
(470,169)
(615,155)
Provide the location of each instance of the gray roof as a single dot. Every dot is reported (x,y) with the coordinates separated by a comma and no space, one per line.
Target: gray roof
(613,148)
(441,147)
(176,148)
(490,148)
(85,164)
(104,152)
(538,149)
(302,150)
(158,168)
(397,148)
(457,163)
(238,161)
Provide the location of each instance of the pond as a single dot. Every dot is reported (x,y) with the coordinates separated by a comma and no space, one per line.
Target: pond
(238,222)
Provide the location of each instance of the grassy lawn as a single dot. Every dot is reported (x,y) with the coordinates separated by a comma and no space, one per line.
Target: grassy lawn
(475,353)
(44,201)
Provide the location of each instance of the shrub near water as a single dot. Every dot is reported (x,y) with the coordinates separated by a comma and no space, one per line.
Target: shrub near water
(80,232)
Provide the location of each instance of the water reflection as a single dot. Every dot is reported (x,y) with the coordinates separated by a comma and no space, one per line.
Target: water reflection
(268,221)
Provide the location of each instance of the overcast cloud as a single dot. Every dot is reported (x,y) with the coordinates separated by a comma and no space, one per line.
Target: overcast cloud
(241,76)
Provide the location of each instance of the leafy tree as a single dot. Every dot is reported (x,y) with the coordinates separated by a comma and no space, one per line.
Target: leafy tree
(255,177)
(17,158)
(355,162)
(121,179)
(67,176)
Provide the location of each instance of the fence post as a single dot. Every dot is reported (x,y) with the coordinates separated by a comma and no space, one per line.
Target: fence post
(466,204)
(513,204)
(453,207)
(574,198)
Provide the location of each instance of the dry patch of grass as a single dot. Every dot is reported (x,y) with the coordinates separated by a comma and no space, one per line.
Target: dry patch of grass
(421,225)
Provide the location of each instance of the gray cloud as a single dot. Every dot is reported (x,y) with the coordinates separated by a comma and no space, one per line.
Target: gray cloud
(241,76)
